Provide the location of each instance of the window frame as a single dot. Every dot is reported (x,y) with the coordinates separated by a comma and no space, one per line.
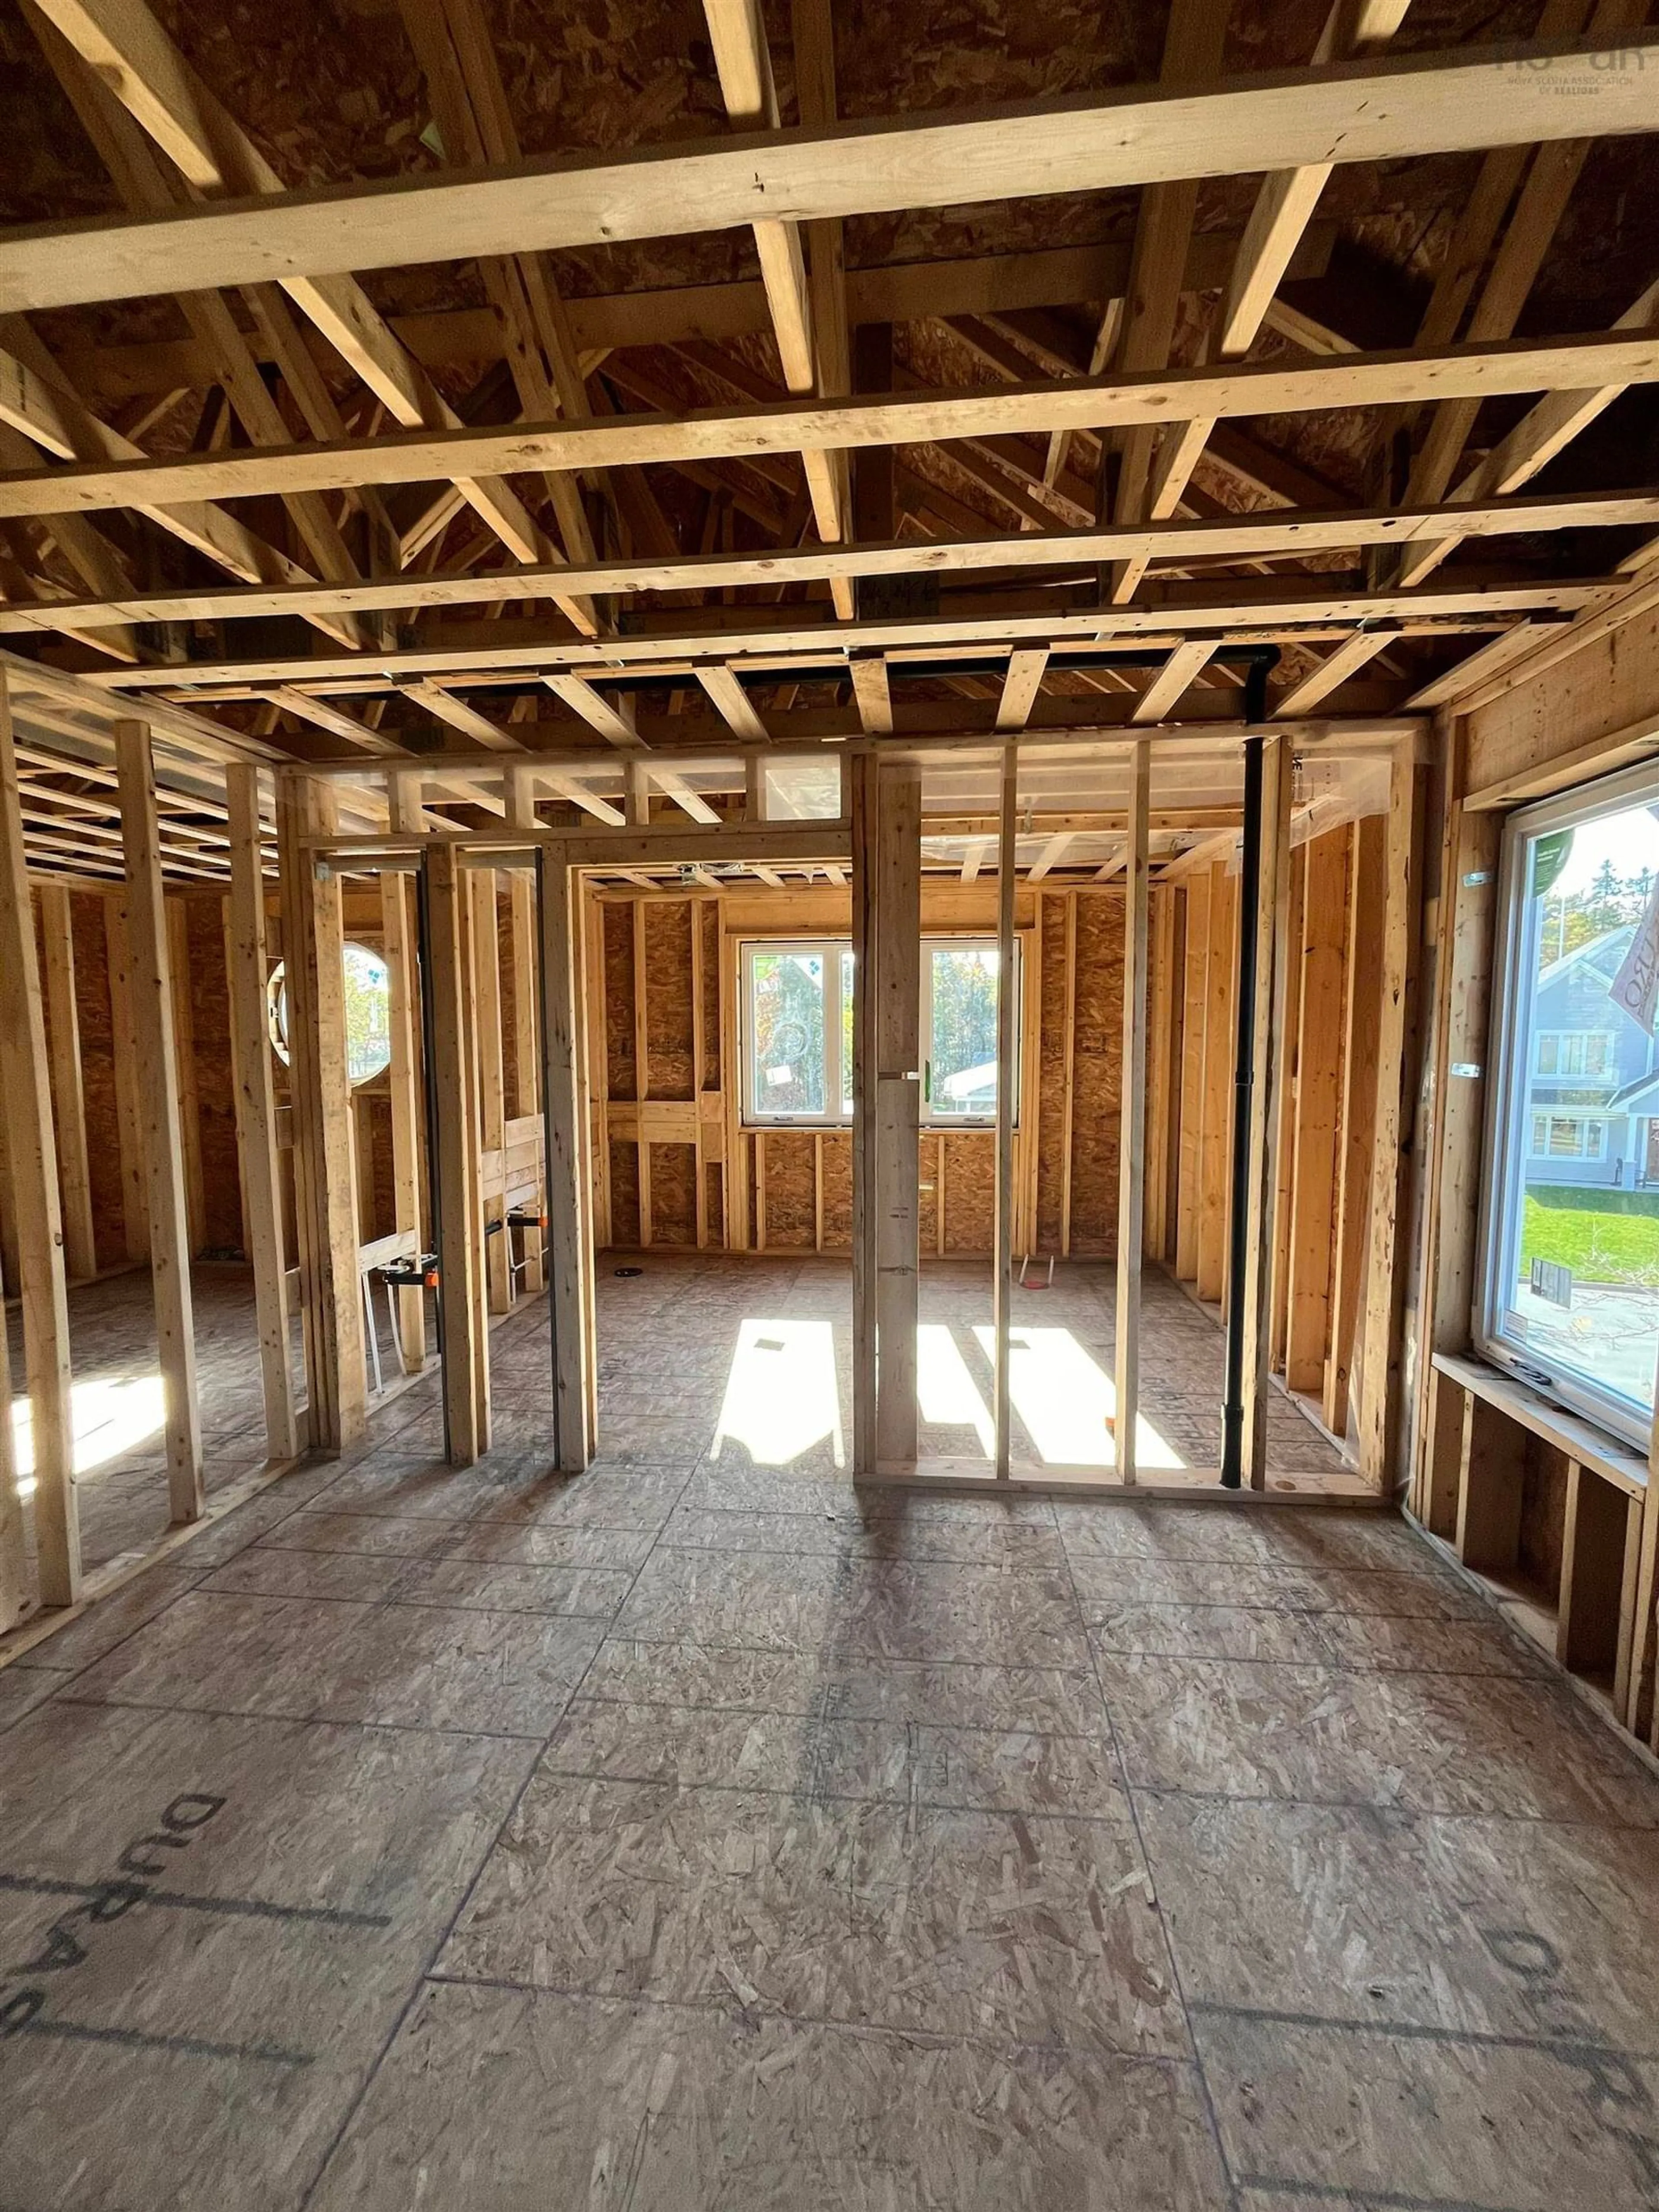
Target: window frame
(1586,1075)
(277,987)
(1581,1120)
(1511,1050)
(751,1117)
(964,939)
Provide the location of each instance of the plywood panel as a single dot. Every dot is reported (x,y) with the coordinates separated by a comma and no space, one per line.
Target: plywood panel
(1543,1515)
(618,971)
(624,1194)
(1051,1165)
(1215,1142)
(507,960)
(92,1003)
(1313,1124)
(215,1097)
(1195,900)
(673,1195)
(708,915)
(837,1195)
(971,1192)
(791,1200)
(377,1181)
(929,1192)
(1604,688)
(668,1025)
(1097,1073)
(665,926)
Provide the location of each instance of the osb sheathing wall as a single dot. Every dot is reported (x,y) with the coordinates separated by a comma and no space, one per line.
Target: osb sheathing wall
(212,1090)
(108,1113)
(1327,1078)
(195,935)
(664,1032)
(89,912)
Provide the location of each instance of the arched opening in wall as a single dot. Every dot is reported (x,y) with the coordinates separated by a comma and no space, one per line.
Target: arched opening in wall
(368,1012)
(380,986)
(119,1400)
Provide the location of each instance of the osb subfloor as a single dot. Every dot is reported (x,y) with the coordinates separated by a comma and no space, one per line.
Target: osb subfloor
(693,1835)
(121,1490)
(1062,1329)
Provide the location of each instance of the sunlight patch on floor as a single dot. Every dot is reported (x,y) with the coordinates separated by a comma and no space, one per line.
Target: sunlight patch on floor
(780,1396)
(110,1416)
(1067,1400)
(946,1394)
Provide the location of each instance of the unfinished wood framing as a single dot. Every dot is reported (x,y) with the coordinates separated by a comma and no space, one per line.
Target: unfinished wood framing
(460,1227)
(1379,1354)
(325,1207)
(68,1085)
(399,946)
(25,1086)
(256,1112)
(159,1117)
(986,786)
(484,1000)
(569,1233)
(1314,1109)
(526,1059)
(181,994)
(862,806)
(1132,1147)
(893,978)
(135,1208)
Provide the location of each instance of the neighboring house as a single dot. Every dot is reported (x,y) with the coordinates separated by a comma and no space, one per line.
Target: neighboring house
(973,1092)
(1593,1086)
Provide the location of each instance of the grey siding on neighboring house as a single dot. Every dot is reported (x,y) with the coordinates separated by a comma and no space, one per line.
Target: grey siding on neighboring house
(1572,1000)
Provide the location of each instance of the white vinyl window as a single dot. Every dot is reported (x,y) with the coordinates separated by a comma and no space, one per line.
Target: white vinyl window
(1584,1054)
(1570,1288)
(797,1030)
(368,1012)
(1568,1137)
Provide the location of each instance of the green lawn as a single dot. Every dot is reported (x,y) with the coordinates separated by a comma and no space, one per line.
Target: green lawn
(1604,1236)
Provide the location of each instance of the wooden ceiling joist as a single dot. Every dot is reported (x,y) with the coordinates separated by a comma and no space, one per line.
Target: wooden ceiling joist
(1534,441)
(1172,682)
(1524,365)
(1193,45)
(132,54)
(615,722)
(1105,480)
(1178,544)
(730,702)
(35,400)
(1553,171)
(1257,611)
(962,285)
(453,47)
(143,184)
(1284,207)
(1334,669)
(1020,687)
(744,65)
(1387,109)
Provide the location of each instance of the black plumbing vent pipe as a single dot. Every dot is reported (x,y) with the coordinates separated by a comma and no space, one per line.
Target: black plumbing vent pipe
(1239,1227)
